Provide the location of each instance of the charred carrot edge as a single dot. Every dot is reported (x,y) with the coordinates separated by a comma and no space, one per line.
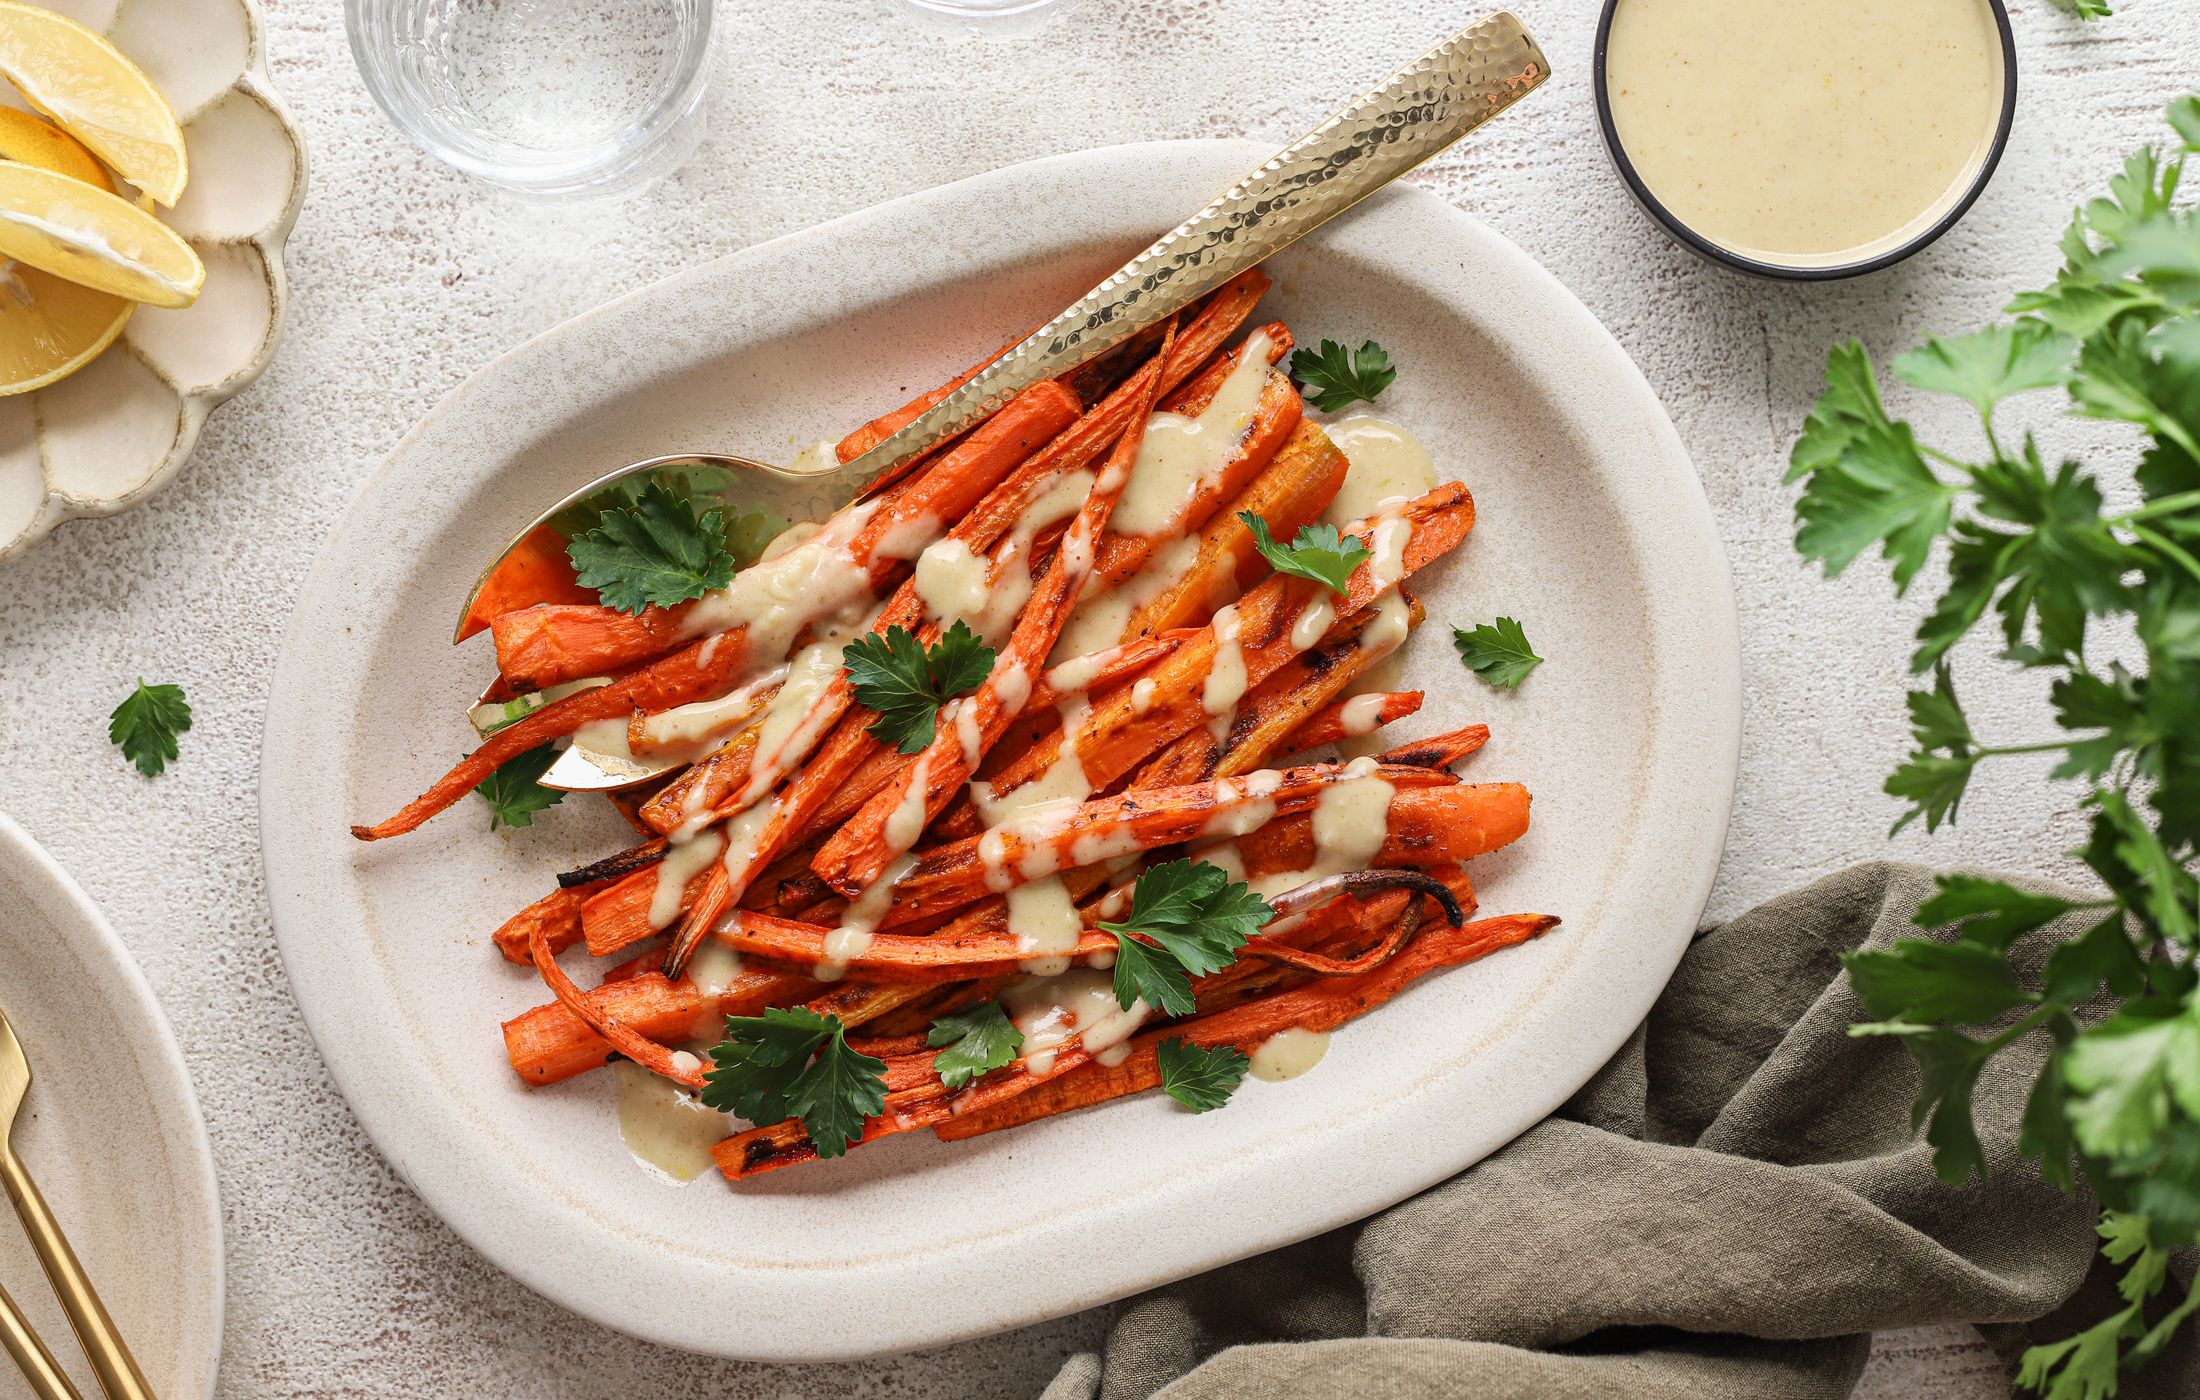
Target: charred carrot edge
(1119,735)
(1317,1007)
(1438,750)
(854,857)
(947,877)
(1269,711)
(1327,724)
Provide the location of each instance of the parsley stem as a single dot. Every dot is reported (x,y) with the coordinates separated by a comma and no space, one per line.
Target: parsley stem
(2167,505)
(2046,746)
(1939,456)
(2024,1023)
(2169,548)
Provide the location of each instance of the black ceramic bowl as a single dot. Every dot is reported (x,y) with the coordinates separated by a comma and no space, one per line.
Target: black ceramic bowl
(1711,252)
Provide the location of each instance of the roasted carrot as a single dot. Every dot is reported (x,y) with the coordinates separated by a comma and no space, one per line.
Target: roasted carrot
(1292,490)
(550,644)
(948,877)
(855,856)
(535,571)
(549,1043)
(1423,826)
(1261,727)
(1319,1006)
(1268,631)
(557,914)
(1352,718)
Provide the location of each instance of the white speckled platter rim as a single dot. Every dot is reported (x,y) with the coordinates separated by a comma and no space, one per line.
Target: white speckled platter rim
(1597,529)
(124,1161)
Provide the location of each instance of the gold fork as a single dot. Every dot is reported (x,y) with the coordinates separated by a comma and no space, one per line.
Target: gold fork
(111,1361)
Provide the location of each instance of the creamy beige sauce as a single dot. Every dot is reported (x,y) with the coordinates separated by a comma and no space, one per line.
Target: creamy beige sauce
(1387,462)
(851,937)
(1046,924)
(1227,676)
(711,719)
(666,1128)
(1076,1006)
(1805,132)
(685,861)
(712,967)
(1099,621)
(1288,1054)
(1178,454)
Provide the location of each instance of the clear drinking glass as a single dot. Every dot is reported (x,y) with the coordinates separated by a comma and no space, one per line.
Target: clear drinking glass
(992,18)
(547,97)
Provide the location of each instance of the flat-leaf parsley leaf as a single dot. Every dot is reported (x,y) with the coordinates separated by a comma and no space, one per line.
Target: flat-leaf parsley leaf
(1317,552)
(1190,918)
(146,723)
(1200,1077)
(653,553)
(515,791)
(1497,652)
(895,678)
(1335,377)
(766,1074)
(979,1039)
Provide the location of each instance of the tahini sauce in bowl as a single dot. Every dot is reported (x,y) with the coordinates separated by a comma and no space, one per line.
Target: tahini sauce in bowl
(1805,137)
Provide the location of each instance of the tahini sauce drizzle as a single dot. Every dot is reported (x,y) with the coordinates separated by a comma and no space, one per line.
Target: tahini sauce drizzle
(1179,454)
(1289,1053)
(1078,1005)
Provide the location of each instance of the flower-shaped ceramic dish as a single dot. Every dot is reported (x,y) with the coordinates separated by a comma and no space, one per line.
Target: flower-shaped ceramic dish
(113,433)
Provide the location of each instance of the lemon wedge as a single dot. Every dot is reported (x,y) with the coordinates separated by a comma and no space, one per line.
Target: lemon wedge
(87,235)
(51,327)
(98,96)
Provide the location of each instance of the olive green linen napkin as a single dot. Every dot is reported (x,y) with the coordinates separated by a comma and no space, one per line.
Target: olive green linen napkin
(1729,1209)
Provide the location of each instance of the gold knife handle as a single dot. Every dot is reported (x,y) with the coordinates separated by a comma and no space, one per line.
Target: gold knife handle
(1416,112)
(31,1356)
(112,1363)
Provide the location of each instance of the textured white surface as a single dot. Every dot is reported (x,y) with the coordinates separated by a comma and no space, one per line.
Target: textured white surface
(404,278)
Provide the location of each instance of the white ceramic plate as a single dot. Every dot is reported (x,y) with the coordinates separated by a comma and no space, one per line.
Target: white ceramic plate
(111,1131)
(1593,530)
(113,433)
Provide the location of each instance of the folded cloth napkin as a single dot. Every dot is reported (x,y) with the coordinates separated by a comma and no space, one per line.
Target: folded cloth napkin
(1730,1208)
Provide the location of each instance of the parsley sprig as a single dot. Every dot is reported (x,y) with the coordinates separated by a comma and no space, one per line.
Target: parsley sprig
(1187,919)
(515,791)
(895,677)
(656,552)
(1317,552)
(977,1040)
(1200,1077)
(792,1062)
(1497,651)
(1335,377)
(2118,1097)
(145,725)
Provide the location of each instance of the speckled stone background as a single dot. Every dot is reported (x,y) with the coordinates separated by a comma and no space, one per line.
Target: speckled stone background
(405,277)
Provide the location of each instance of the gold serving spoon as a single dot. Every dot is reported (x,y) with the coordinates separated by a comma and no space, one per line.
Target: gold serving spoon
(112,1363)
(1418,111)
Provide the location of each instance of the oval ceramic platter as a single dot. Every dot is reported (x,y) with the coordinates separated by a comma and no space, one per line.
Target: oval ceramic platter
(111,1130)
(1593,530)
(114,432)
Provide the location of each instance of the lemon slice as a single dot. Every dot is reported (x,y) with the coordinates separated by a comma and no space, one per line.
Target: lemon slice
(51,327)
(101,98)
(87,235)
